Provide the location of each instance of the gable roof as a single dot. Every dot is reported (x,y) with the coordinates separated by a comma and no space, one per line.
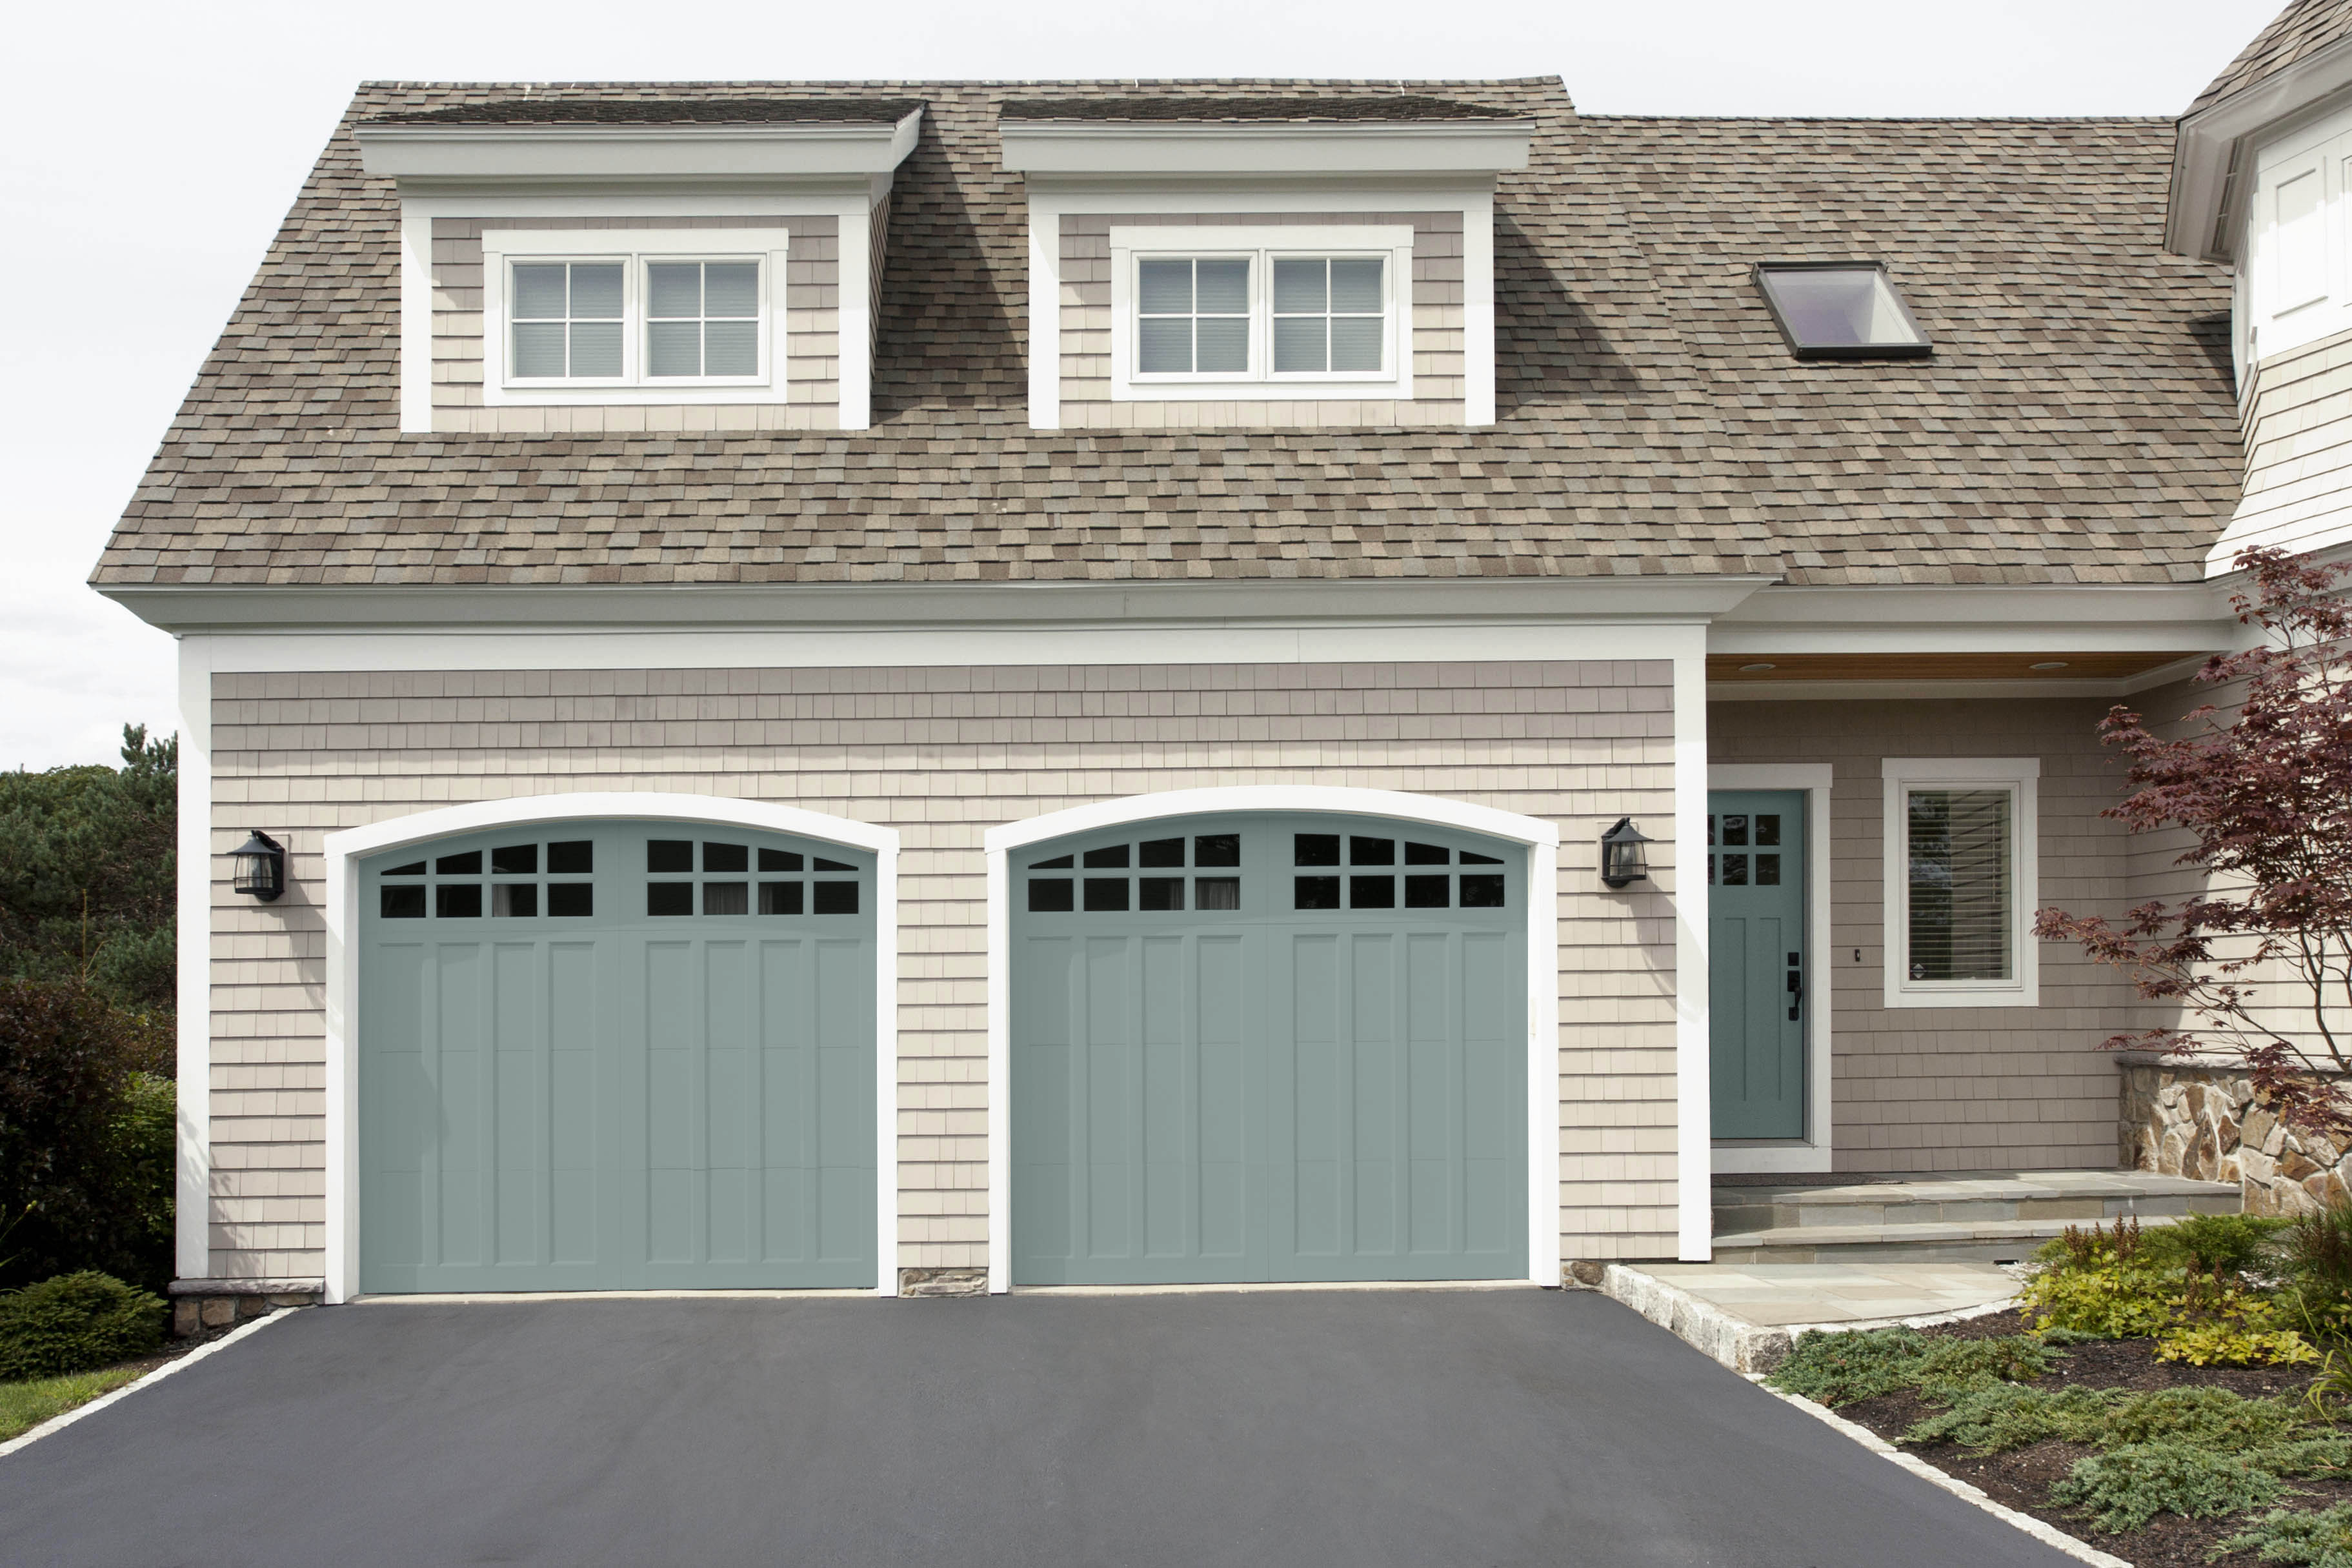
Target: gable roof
(2076,425)
(2301,30)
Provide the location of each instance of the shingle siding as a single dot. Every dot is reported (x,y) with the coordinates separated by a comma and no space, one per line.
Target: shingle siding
(942,755)
(2298,422)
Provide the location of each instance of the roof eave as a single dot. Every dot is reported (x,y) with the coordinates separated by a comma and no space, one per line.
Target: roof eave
(478,153)
(2201,213)
(1095,147)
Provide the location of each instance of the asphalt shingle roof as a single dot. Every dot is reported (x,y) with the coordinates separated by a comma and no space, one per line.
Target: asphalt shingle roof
(2304,28)
(1180,106)
(659,111)
(2076,425)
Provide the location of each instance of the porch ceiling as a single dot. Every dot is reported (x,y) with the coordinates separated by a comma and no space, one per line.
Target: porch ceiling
(1738,669)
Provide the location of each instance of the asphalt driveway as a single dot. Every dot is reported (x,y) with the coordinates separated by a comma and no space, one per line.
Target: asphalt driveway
(1374,1428)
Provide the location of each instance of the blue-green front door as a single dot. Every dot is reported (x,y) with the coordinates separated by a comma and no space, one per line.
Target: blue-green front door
(1757,966)
(616,1055)
(1269,1048)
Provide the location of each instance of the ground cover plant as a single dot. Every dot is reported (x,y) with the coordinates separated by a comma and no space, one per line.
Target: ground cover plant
(2180,1393)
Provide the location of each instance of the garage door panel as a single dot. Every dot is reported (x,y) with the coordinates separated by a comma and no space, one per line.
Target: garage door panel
(1272,1072)
(610,1097)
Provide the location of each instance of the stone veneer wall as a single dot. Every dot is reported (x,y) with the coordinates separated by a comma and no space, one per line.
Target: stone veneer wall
(2201,1121)
(940,754)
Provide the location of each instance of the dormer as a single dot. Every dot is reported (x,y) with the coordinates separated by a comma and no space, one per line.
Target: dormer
(1296,261)
(2262,180)
(594,265)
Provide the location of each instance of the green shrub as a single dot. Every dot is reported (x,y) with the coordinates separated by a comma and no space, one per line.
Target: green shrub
(2111,1284)
(75,1323)
(1996,1420)
(2125,1489)
(2231,1244)
(1954,1366)
(2322,1540)
(1834,1368)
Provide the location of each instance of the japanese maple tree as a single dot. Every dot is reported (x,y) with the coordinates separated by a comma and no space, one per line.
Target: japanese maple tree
(2264,791)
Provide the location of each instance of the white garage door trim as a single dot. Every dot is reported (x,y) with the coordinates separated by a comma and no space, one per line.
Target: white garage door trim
(1542,840)
(344,851)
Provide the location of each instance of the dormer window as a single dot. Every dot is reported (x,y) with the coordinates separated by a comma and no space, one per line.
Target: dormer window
(643,312)
(1839,310)
(1247,314)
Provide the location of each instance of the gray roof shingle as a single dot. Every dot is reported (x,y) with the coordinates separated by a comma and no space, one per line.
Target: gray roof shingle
(2303,29)
(2076,423)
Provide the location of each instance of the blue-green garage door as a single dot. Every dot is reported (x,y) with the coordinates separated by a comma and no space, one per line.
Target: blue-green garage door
(1269,1048)
(616,1055)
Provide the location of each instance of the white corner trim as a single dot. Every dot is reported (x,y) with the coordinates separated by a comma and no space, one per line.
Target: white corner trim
(191,1209)
(1813,1151)
(1694,1064)
(1264,243)
(1478,309)
(855,306)
(2021,774)
(1542,841)
(342,851)
(415,321)
(1045,310)
(57,1423)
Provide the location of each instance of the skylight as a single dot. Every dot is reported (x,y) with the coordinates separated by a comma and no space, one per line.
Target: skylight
(1839,310)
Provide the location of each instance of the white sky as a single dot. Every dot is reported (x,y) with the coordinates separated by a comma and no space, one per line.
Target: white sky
(148,153)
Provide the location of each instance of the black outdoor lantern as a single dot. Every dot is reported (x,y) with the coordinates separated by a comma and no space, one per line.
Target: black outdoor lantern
(1622,860)
(260,866)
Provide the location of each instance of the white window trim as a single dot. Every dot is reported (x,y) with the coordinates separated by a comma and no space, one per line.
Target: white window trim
(340,917)
(1262,243)
(1813,1151)
(2021,775)
(1541,839)
(633,247)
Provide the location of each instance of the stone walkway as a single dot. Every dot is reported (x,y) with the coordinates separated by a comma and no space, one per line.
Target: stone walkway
(1742,1314)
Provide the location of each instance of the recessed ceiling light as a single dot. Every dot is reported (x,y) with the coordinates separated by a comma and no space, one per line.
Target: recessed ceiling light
(2048,664)
(1755,669)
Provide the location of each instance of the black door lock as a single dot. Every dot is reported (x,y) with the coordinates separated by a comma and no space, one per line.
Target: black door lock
(1796,985)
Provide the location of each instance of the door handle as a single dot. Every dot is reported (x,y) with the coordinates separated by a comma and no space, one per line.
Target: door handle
(1796,988)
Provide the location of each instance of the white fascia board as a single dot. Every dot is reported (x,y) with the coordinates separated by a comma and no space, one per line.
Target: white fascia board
(482,153)
(537,608)
(2201,216)
(1052,147)
(2185,616)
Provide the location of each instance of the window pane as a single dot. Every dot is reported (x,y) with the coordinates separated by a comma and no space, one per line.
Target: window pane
(1225,288)
(1426,855)
(669,855)
(730,289)
(457,901)
(1225,343)
(1960,853)
(669,898)
(1315,849)
(1298,344)
(1371,892)
(779,860)
(1159,892)
(595,348)
(1371,851)
(1106,893)
(514,860)
(726,857)
(836,898)
(469,864)
(1049,895)
(596,290)
(1164,288)
(1159,852)
(572,856)
(1356,285)
(402,903)
(674,289)
(674,348)
(538,291)
(1315,893)
(1298,285)
(571,899)
(1109,854)
(1356,343)
(780,898)
(1217,850)
(732,348)
(726,898)
(1217,892)
(1482,892)
(538,348)
(1164,346)
(1426,892)
(510,900)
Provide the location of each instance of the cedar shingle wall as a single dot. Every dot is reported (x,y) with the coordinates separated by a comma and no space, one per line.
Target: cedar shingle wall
(2298,419)
(810,331)
(940,754)
(1436,331)
(1959,1089)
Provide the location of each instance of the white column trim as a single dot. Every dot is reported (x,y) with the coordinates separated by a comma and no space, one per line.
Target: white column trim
(1045,310)
(191,1210)
(1542,841)
(1478,309)
(415,320)
(854,306)
(1813,1151)
(1694,1130)
(342,851)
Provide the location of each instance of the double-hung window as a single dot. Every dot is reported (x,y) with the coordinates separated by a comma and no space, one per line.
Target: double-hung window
(633,315)
(1236,312)
(1960,882)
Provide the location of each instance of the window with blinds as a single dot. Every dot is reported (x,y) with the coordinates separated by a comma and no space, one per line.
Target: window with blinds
(1192,316)
(655,317)
(1961,916)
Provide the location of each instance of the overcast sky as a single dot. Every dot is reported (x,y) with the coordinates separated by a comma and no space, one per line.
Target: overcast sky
(150,150)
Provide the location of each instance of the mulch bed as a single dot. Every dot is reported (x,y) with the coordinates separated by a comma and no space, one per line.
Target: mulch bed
(2022,1477)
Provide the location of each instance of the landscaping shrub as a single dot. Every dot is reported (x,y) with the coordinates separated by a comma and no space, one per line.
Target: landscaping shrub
(2230,1245)
(2199,1288)
(75,1323)
(2126,1488)
(2322,1540)
(2108,1283)
(1832,1368)
(1996,1420)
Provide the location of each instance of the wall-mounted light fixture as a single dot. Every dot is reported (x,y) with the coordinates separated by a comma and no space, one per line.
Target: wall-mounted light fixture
(1622,860)
(258,867)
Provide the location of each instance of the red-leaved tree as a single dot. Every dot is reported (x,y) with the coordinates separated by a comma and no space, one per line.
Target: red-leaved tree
(2264,791)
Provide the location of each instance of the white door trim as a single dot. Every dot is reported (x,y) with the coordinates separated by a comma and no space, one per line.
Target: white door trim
(1812,1152)
(1542,841)
(342,922)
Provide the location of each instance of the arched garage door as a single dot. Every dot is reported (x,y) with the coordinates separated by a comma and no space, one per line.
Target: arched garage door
(616,1055)
(1268,1047)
